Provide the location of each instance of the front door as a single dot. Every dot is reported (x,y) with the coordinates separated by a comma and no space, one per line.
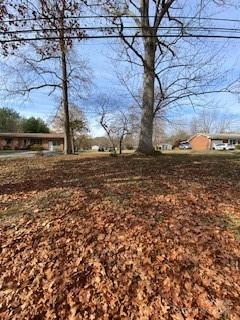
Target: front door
(50,145)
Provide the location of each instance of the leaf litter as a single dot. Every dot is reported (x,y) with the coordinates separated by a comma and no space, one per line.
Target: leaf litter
(119,238)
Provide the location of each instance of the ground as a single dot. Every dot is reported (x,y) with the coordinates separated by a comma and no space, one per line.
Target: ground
(120,238)
(14,154)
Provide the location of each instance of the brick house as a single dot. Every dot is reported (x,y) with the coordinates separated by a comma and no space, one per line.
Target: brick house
(22,141)
(205,141)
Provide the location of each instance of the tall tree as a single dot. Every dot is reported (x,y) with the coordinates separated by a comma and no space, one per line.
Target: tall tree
(54,23)
(77,123)
(34,125)
(150,46)
(9,120)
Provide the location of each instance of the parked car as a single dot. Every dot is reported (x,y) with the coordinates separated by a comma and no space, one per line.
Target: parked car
(231,147)
(185,146)
(223,146)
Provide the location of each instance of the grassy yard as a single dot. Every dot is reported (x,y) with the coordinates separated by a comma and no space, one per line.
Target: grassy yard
(86,237)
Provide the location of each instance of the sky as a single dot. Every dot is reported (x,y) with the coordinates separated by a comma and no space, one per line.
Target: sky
(99,53)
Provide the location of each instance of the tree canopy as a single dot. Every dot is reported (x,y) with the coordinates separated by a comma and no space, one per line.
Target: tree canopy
(11,121)
(34,125)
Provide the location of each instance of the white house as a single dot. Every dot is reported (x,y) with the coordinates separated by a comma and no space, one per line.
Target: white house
(95,148)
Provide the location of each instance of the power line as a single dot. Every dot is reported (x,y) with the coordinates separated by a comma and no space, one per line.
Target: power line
(125,36)
(118,16)
(204,29)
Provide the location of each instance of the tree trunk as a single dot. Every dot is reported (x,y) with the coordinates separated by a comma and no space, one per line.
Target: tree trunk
(72,141)
(146,130)
(67,133)
(120,145)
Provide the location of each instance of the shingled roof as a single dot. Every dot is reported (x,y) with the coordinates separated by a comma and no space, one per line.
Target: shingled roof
(217,136)
(224,136)
(32,135)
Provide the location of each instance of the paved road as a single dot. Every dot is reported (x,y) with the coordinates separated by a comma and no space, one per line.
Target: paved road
(23,154)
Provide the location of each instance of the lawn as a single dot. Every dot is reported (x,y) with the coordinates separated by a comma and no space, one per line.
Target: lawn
(131,237)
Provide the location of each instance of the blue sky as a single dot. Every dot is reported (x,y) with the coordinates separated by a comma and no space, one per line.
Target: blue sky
(99,53)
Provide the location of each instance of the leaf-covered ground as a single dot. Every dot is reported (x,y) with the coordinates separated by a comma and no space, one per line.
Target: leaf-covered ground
(120,238)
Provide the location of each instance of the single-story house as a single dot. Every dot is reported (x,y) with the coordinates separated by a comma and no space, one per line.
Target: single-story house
(23,141)
(95,148)
(164,146)
(206,141)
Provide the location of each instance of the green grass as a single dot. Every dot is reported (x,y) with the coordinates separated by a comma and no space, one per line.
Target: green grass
(11,212)
(10,151)
(233,224)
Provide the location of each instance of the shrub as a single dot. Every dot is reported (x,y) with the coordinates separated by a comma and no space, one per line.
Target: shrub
(7,147)
(129,147)
(237,147)
(36,147)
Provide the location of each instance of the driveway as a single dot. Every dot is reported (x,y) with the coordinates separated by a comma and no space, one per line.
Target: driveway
(16,154)
(23,154)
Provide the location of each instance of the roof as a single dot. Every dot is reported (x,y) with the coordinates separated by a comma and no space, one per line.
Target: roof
(224,136)
(32,135)
(217,136)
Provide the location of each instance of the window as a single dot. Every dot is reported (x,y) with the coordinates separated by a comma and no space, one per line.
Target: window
(232,141)
(8,141)
(36,141)
(56,143)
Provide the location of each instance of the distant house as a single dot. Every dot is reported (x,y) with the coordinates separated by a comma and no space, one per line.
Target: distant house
(164,146)
(23,141)
(95,148)
(206,141)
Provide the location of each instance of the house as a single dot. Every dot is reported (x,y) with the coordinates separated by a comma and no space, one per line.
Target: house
(205,141)
(164,146)
(23,141)
(95,148)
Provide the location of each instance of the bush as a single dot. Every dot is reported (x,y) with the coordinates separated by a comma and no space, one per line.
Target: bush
(129,147)
(237,147)
(7,147)
(35,147)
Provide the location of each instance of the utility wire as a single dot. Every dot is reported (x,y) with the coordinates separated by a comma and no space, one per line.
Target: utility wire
(105,28)
(125,36)
(119,16)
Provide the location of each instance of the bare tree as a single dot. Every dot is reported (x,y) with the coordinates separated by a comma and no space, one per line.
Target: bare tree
(125,123)
(177,135)
(54,23)
(152,46)
(104,112)
(5,14)
(117,122)
(158,131)
(77,123)
(210,121)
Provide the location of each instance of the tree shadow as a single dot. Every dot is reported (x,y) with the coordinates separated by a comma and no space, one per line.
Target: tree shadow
(157,218)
